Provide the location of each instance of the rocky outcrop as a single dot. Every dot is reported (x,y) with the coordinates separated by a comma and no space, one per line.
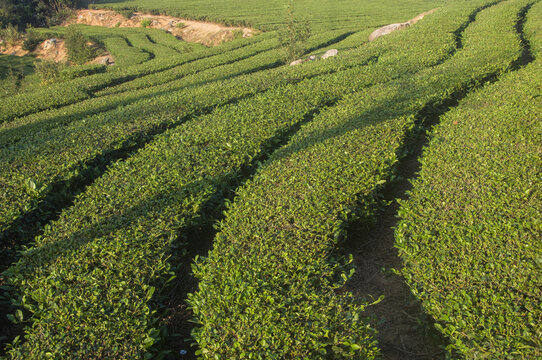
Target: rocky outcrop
(49,44)
(330,53)
(385,30)
(327,54)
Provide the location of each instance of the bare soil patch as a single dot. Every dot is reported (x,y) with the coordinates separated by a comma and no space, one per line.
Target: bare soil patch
(51,50)
(44,51)
(209,34)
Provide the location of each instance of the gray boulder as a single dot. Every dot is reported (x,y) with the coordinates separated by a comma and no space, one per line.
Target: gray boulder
(330,53)
(385,30)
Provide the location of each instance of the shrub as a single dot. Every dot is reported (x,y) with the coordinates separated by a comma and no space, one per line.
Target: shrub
(60,15)
(146,23)
(48,71)
(293,36)
(180,25)
(237,34)
(33,39)
(80,71)
(10,35)
(127,13)
(76,43)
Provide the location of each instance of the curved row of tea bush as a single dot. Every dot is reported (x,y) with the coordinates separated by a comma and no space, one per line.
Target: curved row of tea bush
(167,39)
(124,54)
(171,184)
(66,93)
(47,155)
(275,57)
(45,161)
(215,62)
(143,41)
(28,126)
(136,211)
(164,188)
(274,268)
(266,15)
(113,41)
(470,231)
(41,122)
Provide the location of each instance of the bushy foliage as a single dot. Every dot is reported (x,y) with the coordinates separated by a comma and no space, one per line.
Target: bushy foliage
(127,13)
(10,35)
(32,39)
(293,35)
(74,72)
(272,255)
(48,71)
(470,232)
(35,12)
(96,272)
(146,23)
(79,51)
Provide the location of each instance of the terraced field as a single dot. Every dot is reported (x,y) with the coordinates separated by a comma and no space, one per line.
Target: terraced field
(220,196)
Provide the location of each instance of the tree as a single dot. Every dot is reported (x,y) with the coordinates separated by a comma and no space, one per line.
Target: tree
(293,35)
(32,12)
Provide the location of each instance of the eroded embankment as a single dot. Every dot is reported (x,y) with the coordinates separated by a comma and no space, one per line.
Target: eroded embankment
(206,33)
(55,50)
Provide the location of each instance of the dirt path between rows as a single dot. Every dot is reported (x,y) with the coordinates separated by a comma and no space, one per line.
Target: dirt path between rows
(405,331)
(206,33)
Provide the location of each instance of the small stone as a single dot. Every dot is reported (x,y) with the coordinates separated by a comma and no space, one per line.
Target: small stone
(296,62)
(48,44)
(330,53)
(312,57)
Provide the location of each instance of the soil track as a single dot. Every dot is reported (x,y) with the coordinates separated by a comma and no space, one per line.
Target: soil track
(404,330)
(206,33)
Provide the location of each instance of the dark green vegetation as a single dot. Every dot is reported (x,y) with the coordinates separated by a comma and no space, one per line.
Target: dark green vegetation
(470,232)
(34,12)
(76,44)
(15,74)
(110,176)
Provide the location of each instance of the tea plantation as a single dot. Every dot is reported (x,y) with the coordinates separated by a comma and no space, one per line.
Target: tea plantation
(200,198)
